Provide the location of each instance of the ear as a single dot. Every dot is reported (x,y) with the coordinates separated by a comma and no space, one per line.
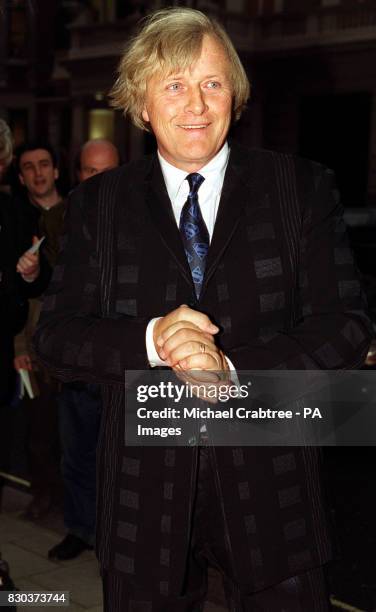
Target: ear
(145,115)
(56,174)
(21,179)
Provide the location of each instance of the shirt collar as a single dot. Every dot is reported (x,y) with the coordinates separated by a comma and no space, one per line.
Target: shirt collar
(46,208)
(174,177)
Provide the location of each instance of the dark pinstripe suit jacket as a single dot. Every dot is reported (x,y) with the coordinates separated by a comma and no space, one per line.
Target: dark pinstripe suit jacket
(280,282)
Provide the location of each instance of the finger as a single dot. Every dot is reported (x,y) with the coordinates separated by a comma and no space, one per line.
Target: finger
(20,263)
(165,335)
(28,270)
(22,268)
(209,360)
(198,376)
(29,257)
(25,268)
(192,340)
(22,362)
(180,325)
(184,313)
(27,260)
(198,318)
(185,350)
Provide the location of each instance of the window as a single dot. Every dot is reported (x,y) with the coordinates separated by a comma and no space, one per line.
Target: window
(101,123)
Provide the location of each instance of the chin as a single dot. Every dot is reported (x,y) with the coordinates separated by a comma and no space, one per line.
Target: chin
(199,153)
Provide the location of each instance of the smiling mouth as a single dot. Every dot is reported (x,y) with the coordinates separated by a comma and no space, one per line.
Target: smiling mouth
(200,126)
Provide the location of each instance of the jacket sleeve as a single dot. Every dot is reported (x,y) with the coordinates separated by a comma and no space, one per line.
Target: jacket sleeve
(74,340)
(330,329)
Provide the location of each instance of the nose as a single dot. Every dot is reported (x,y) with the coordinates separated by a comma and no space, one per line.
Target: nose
(196,101)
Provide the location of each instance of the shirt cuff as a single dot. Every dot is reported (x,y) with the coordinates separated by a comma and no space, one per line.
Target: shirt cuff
(153,357)
(28,280)
(233,374)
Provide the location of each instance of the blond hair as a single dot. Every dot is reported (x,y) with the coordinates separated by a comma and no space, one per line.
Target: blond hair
(170,40)
(6,142)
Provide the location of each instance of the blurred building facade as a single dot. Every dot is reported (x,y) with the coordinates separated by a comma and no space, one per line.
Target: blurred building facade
(311,62)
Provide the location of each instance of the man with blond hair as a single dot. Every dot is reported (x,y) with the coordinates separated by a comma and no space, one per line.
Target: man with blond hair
(206,257)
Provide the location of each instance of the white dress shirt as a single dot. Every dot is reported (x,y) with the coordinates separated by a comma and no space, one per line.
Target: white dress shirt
(209,197)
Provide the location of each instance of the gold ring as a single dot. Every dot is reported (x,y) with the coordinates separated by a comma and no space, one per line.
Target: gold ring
(202,348)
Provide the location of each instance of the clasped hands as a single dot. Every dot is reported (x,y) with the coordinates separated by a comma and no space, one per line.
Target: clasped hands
(184,339)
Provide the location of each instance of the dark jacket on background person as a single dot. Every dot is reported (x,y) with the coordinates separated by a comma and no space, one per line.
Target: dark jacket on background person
(281,284)
(43,222)
(15,238)
(48,223)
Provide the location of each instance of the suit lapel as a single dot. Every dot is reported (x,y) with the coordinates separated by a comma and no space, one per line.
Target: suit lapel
(162,214)
(231,205)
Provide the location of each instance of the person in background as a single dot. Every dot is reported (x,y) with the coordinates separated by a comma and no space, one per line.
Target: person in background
(205,256)
(80,409)
(22,275)
(95,156)
(42,208)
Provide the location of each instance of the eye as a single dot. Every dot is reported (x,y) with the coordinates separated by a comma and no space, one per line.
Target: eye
(213,85)
(174,86)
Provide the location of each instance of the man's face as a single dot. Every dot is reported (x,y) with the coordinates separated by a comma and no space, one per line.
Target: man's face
(190,112)
(96,158)
(37,173)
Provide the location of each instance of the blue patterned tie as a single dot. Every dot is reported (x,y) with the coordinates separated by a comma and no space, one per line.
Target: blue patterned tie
(194,232)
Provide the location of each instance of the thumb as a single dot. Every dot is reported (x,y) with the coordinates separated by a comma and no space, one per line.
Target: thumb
(35,239)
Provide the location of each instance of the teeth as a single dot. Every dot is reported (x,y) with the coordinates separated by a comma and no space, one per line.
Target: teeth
(193,127)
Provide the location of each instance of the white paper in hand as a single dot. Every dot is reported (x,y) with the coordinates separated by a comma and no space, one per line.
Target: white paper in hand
(35,248)
(26,383)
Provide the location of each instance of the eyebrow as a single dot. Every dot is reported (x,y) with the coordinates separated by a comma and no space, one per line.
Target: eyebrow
(37,161)
(178,76)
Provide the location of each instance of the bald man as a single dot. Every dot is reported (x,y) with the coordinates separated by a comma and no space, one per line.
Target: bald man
(97,156)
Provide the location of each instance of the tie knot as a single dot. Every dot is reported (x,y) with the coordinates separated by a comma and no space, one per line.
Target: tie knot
(195,180)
